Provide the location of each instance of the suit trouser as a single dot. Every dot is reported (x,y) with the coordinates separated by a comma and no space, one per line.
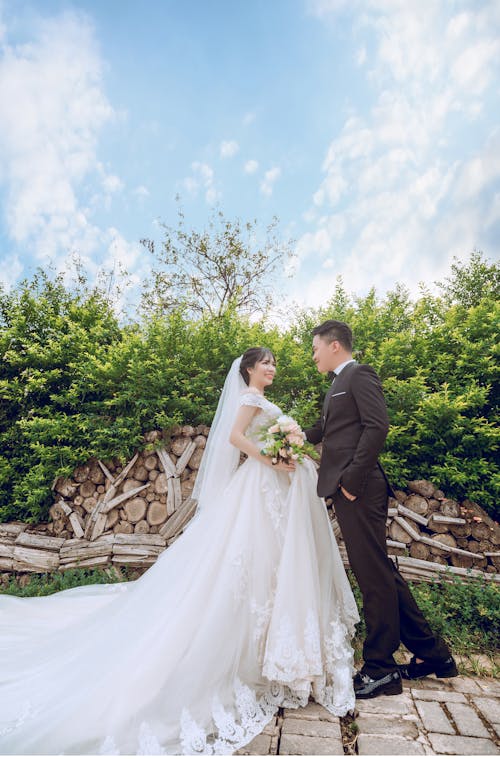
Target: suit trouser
(391,613)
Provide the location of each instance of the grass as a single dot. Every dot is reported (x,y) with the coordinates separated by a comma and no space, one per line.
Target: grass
(465,613)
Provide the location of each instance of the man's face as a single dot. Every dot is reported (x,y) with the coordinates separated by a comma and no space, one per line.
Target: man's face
(323,354)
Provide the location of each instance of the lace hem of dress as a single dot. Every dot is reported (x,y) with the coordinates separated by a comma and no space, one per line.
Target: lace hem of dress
(230,729)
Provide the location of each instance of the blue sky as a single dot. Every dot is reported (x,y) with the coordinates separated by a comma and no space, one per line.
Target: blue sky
(369,127)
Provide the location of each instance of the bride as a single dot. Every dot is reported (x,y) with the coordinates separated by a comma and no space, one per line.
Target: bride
(248,611)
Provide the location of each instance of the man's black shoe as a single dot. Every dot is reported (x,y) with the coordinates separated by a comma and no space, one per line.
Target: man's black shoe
(369,687)
(441,668)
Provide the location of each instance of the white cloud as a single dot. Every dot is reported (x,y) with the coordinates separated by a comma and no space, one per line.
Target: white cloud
(251,166)
(202,179)
(53,110)
(270,177)
(141,191)
(228,148)
(409,183)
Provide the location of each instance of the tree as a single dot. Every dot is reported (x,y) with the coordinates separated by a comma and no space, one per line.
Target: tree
(227,264)
(469,283)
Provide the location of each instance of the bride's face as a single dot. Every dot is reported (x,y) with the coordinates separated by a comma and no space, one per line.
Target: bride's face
(262,373)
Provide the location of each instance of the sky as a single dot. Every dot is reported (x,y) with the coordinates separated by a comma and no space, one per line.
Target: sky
(370,128)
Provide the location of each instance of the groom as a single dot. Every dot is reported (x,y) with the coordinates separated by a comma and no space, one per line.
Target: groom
(353,428)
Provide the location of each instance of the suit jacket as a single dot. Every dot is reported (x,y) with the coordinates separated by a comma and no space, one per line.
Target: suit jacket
(353,428)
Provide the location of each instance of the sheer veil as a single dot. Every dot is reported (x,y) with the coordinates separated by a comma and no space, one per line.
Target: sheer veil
(220,459)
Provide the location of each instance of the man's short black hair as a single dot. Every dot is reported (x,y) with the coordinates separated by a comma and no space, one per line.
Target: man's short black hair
(334,330)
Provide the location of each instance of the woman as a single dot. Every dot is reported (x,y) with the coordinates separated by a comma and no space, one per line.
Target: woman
(248,611)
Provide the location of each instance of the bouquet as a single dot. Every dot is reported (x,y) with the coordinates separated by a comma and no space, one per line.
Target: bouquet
(285,441)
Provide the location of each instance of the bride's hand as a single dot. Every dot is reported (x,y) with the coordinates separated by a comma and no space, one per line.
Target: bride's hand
(282,467)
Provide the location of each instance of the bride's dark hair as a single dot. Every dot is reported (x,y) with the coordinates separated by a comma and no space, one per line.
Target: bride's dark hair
(250,358)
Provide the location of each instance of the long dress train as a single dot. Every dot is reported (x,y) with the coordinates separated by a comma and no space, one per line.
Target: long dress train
(249,610)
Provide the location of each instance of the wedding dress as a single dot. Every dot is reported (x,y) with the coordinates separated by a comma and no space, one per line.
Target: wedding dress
(249,610)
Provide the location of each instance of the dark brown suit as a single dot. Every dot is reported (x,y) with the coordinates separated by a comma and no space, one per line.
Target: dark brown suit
(353,428)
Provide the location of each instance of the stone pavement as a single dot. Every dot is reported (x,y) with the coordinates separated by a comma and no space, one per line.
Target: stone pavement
(458,716)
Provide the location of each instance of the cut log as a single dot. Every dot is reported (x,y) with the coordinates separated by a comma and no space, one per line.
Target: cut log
(65,487)
(157,513)
(89,504)
(99,525)
(141,473)
(112,518)
(160,485)
(77,500)
(167,464)
(441,519)
(81,473)
(59,526)
(131,484)
(141,527)
(177,492)
(135,509)
(420,551)
(399,534)
(178,521)
(417,503)
(151,462)
(35,560)
(200,441)
(195,460)
(95,561)
(85,552)
(408,528)
(6,552)
(125,471)
(486,546)
(481,531)
(396,544)
(87,489)
(123,527)
(112,503)
(179,445)
(450,508)
(422,487)
(76,523)
(56,512)
(184,459)
(150,540)
(106,471)
(96,475)
(459,560)
(445,542)
(435,544)
(170,503)
(154,473)
(188,430)
(31,540)
(411,514)
(11,529)
(460,530)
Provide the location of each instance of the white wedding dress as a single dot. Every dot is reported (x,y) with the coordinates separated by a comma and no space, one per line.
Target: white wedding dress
(249,610)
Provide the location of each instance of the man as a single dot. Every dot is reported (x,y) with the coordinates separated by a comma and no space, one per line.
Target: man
(353,428)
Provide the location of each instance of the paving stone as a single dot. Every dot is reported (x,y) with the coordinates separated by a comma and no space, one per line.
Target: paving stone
(308,746)
(448,696)
(377,745)
(459,744)
(467,721)
(258,746)
(489,707)
(386,705)
(374,724)
(433,717)
(272,727)
(465,685)
(311,711)
(430,683)
(490,687)
(314,728)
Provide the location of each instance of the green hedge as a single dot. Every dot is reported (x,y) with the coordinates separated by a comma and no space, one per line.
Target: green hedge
(75,383)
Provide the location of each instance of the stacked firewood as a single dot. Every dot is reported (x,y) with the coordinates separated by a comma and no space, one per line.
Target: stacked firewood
(108,514)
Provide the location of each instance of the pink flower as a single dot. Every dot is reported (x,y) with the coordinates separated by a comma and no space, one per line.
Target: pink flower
(274,428)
